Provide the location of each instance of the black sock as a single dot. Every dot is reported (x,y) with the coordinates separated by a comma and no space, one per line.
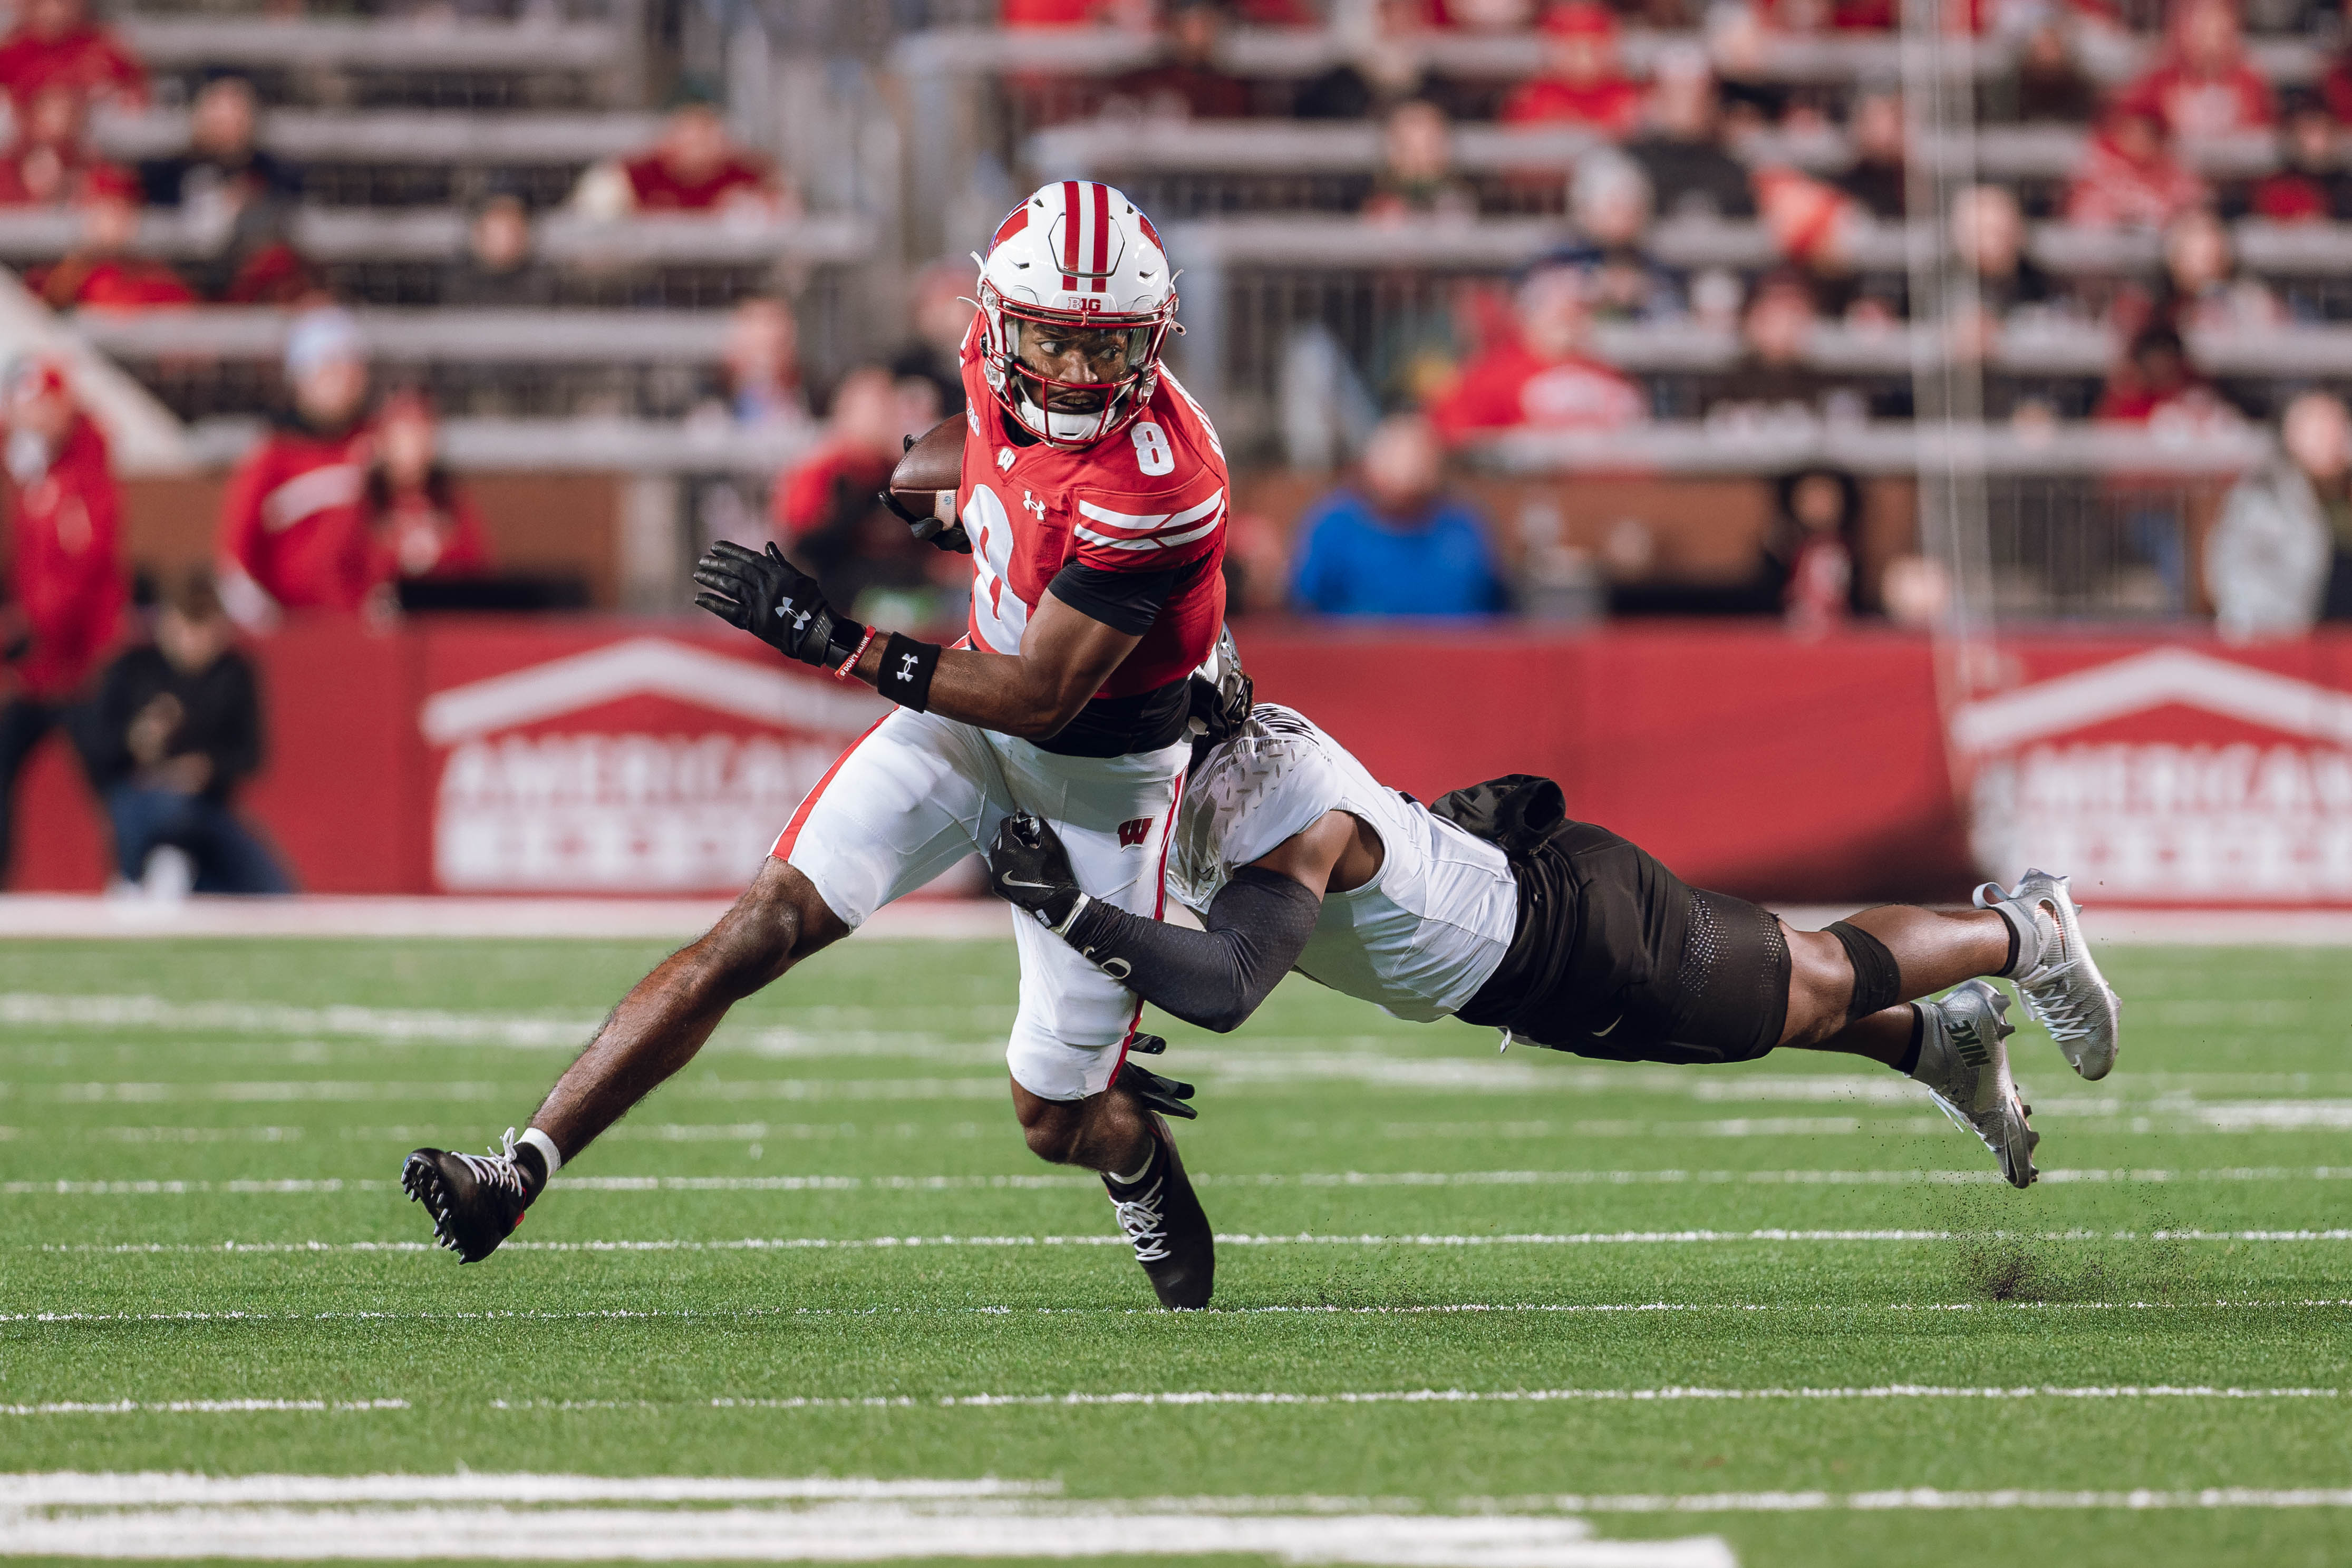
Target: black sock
(1141,1176)
(529,1160)
(2009,964)
(1908,1062)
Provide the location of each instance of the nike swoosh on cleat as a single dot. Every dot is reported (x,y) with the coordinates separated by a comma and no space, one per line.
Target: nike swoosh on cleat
(1620,1018)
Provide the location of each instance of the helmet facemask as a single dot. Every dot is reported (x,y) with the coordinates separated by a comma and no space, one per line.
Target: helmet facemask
(1057,401)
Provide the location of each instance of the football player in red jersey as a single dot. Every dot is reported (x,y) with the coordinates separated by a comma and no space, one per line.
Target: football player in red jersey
(1092,497)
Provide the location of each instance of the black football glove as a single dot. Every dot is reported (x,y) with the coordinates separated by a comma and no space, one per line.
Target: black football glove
(1029,869)
(776,602)
(1164,1095)
(932,531)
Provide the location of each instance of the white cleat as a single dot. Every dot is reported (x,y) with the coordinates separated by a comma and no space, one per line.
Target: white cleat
(1965,1065)
(2056,975)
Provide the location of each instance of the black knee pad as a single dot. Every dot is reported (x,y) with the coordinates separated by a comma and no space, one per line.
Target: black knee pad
(1878,980)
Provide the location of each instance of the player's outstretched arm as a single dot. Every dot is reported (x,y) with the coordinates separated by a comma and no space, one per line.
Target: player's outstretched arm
(1065,654)
(1257,925)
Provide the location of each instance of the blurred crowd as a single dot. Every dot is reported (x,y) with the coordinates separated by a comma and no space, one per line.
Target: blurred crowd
(229,197)
(1684,139)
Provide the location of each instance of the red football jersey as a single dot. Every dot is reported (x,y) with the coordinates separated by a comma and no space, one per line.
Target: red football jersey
(1144,498)
(66,571)
(293,519)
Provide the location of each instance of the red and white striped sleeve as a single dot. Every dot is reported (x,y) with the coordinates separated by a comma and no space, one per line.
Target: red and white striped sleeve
(1152,532)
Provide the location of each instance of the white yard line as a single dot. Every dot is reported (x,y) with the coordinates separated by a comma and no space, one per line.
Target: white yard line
(1303,1238)
(1572,1308)
(199,1408)
(307,1187)
(71,1488)
(837,1532)
(332,1091)
(1187,1398)
(28,916)
(1172,1398)
(1930,1499)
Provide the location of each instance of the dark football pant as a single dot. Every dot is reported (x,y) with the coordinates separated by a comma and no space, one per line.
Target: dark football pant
(1618,958)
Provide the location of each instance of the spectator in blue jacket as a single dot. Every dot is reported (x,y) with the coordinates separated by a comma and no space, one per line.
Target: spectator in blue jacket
(1393,543)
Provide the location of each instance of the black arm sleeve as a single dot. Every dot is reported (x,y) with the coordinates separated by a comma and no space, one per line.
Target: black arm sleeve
(1258,925)
(1124,601)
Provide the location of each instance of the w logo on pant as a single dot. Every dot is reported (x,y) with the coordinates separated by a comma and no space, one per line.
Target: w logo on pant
(1134,832)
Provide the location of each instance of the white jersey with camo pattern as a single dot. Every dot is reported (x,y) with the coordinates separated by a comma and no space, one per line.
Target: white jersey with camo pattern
(1421,937)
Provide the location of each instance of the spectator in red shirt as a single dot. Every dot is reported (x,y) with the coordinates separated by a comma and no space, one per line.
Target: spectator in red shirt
(294,532)
(1069,12)
(420,522)
(829,517)
(1187,83)
(101,273)
(50,162)
(696,167)
(65,590)
(2155,379)
(1582,84)
(2128,177)
(1543,375)
(2203,86)
(55,41)
(2310,185)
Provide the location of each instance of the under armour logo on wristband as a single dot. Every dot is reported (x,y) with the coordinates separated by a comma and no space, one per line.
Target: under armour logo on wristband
(907,662)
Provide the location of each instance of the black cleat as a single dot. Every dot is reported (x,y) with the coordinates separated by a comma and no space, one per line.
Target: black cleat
(1164,1220)
(475,1200)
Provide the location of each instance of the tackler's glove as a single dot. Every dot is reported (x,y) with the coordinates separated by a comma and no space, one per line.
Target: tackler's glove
(1165,1095)
(935,532)
(776,602)
(1029,869)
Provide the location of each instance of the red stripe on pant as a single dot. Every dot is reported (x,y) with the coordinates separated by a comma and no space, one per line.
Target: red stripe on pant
(792,833)
(1158,908)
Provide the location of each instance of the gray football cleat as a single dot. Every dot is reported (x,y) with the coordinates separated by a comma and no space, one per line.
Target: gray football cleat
(2056,975)
(1963,1064)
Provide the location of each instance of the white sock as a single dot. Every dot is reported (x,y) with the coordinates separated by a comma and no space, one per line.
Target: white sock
(546,1146)
(2026,923)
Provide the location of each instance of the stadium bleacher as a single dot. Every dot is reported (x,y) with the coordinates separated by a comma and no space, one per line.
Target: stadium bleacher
(393,130)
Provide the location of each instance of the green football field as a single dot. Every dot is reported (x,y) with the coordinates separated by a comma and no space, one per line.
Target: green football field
(1522,1309)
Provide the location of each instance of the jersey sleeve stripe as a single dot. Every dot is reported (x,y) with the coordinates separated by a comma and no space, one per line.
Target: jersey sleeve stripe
(1143,522)
(1154,542)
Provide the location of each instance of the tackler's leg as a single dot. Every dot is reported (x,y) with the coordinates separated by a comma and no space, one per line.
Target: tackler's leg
(1852,989)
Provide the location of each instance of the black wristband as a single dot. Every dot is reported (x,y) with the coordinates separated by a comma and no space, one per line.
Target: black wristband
(906,666)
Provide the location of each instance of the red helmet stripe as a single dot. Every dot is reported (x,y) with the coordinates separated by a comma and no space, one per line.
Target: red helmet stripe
(1071,218)
(1014,222)
(1102,237)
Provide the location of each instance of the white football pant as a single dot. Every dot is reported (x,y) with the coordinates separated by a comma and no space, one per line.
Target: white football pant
(917,793)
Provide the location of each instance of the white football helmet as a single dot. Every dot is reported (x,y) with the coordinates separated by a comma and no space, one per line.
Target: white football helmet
(1076,256)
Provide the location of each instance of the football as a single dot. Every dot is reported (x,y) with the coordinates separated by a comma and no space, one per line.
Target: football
(925,478)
